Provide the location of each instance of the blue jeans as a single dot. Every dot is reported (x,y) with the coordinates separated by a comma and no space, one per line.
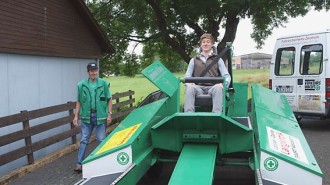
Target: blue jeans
(86,133)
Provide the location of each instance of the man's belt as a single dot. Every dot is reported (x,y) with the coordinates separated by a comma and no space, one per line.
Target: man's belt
(93,110)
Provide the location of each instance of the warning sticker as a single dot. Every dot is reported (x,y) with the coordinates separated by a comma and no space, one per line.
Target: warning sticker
(309,102)
(119,138)
(286,144)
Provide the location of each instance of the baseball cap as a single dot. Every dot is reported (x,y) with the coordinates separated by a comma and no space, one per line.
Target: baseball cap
(91,66)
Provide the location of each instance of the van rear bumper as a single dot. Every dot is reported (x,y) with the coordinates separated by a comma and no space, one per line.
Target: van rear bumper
(326,115)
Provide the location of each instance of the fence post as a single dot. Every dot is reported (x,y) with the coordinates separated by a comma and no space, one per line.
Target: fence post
(28,140)
(130,97)
(117,101)
(74,137)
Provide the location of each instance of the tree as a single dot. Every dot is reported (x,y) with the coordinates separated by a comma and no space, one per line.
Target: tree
(131,65)
(159,50)
(176,25)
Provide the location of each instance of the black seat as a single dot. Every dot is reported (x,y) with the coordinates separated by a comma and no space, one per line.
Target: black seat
(204,103)
(203,100)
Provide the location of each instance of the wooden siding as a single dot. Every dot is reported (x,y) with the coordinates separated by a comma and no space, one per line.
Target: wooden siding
(46,27)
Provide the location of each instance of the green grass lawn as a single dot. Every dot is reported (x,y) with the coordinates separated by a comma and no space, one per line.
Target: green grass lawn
(259,76)
(142,87)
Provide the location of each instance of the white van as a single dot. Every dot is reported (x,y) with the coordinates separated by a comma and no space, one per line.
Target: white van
(300,69)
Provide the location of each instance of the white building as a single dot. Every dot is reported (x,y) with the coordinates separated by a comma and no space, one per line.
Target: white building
(252,61)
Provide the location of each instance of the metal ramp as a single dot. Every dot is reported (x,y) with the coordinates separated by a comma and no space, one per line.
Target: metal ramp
(108,179)
(195,165)
(244,121)
(104,179)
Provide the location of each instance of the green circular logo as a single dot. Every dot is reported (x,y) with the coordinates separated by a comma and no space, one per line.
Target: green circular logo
(271,164)
(122,158)
(317,87)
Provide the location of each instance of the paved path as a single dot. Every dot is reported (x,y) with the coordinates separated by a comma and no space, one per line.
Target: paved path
(59,172)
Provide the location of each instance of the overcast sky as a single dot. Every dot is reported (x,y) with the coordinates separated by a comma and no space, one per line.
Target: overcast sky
(313,21)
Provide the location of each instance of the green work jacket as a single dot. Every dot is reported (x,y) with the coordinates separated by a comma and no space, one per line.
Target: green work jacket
(102,96)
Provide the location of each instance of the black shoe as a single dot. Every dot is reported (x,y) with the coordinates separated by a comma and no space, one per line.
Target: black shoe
(78,168)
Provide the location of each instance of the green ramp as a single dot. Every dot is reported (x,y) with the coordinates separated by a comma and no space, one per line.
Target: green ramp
(282,152)
(195,165)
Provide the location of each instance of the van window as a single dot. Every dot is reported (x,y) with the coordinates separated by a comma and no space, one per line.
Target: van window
(311,60)
(284,64)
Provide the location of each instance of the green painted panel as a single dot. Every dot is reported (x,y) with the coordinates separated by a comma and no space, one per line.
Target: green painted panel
(278,132)
(201,127)
(136,124)
(159,75)
(237,105)
(272,101)
(195,165)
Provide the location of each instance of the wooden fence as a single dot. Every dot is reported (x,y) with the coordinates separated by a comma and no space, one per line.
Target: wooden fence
(120,109)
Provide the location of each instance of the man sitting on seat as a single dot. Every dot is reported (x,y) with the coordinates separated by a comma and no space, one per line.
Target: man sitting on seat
(195,68)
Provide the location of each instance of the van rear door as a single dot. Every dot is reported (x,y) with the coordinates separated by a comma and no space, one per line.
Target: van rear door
(298,71)
(311,79)
(283,75)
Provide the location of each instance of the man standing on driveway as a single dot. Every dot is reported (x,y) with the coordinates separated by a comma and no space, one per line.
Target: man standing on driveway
(93,108)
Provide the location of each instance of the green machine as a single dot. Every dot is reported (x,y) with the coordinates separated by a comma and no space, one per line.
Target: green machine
(267,139)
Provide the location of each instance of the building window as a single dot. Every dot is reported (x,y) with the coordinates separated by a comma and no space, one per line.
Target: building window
(311,60)
(284,62)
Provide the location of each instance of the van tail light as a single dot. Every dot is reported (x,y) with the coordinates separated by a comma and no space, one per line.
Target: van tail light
(327,96)
(327,88)
(327,92)
(270,84)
